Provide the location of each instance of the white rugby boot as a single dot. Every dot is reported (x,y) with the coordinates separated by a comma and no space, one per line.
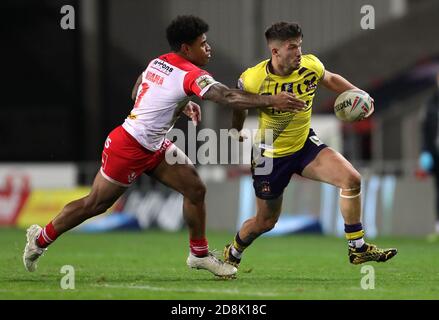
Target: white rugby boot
(212,264)
(32,251)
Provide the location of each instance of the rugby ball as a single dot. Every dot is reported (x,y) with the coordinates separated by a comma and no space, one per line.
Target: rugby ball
(353,105)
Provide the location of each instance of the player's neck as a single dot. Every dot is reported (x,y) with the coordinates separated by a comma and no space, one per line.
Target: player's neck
(181,54)
(278,69)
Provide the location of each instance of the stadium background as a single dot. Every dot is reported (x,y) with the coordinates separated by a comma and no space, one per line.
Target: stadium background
(66,89)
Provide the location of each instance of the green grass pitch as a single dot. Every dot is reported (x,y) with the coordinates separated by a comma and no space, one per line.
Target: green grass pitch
(152,265)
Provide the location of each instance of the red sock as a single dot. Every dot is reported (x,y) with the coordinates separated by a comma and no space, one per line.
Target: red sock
(47,236)
(199,247)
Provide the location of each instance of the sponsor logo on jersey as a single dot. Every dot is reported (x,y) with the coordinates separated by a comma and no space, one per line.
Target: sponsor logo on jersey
(287,87)
(162,67)
(311,86)
(203,81)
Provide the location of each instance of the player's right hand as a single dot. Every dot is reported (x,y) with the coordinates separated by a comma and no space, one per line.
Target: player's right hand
(287,102)
(193,111)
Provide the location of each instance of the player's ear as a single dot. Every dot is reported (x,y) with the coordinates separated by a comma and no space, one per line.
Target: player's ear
(185,48)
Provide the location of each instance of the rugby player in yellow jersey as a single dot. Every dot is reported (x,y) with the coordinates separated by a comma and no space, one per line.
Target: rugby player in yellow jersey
(296,149)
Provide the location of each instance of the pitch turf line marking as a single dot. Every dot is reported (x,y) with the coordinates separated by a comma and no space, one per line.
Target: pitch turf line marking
(198,290)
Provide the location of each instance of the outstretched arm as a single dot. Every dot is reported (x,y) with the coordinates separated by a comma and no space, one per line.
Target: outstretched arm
(136,86)
(336,82)
(241,100)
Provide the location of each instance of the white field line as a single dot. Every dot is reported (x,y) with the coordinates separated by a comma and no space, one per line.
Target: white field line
(197,290)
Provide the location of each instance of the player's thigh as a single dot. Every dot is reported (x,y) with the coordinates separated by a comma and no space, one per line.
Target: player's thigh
(178,172)
(331,167)
(104,192)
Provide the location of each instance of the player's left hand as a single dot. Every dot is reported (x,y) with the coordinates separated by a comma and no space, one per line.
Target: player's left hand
(193,111)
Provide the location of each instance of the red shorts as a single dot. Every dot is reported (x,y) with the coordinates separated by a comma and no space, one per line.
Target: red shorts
(124,159)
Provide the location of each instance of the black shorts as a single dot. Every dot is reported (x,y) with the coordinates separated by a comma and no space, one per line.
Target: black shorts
(272,185)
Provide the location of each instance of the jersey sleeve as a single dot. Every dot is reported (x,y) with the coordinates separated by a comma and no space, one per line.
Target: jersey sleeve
(317,66)
(243,83)
(240,83)
(250,80)
(198,82)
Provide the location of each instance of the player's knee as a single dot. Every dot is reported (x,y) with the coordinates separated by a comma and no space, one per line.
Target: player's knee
(352,181)
(196,193)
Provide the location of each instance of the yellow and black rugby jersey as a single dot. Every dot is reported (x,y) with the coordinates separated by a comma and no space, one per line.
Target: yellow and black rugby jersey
(289,130)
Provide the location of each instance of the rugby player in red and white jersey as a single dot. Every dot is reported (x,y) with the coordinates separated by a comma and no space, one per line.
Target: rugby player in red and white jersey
(161,94)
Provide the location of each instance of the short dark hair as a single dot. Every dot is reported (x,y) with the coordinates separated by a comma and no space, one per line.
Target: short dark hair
(283,31)
(185,29)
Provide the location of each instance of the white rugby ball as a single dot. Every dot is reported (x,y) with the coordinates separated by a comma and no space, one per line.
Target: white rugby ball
(353,105)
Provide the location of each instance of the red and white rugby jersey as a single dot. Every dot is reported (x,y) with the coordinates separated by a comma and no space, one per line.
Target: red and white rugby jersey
(167,84)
